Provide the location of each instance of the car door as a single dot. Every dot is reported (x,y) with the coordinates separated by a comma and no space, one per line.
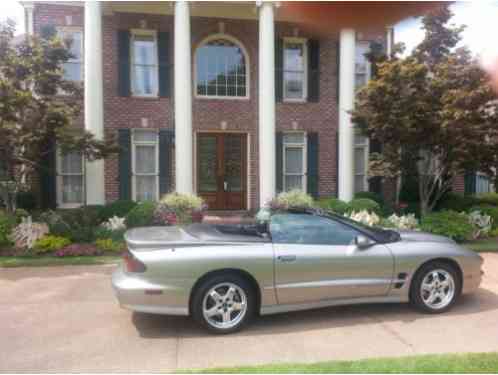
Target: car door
(316,259)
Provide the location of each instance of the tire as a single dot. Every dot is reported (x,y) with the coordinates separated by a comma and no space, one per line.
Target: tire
(435,296)
(229,309)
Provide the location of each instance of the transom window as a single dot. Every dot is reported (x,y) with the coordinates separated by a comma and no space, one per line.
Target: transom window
(73,68)
(70,179)
(145,166)
(295,68)
(144,67)
(294,161)
(221,69)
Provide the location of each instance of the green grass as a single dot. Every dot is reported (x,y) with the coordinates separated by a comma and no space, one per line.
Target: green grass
(485,245)
(445,363)
(41,261)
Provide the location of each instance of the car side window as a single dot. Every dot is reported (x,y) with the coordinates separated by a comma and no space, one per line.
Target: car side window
(310,229)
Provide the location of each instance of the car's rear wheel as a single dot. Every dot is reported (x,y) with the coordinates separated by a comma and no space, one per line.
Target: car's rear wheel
(224,303)
(435,288)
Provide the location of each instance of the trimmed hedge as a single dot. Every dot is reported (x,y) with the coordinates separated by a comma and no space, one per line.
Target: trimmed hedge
(448,223)
(141,216)
(119,208)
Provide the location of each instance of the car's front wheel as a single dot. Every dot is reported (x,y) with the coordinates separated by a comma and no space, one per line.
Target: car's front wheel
(224,304)
(435,288)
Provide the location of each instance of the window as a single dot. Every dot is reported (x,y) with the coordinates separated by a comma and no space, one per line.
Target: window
(221,69)
(362,65)
(361,156)
(73,68)
(144,67)
(294,161)
(70,179)
(295,68)
(310,229)
(483,184)
(145,165)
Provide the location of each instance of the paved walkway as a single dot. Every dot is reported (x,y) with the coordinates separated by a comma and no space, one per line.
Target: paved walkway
(66,319)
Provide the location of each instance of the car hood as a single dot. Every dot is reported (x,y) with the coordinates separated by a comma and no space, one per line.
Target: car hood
(415,236)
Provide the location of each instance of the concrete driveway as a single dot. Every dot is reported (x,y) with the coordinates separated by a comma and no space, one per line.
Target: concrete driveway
(66,319)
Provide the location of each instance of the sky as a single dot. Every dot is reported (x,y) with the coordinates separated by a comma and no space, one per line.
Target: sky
(480,16)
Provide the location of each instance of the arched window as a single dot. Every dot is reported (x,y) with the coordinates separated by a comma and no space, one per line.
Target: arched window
(221,68)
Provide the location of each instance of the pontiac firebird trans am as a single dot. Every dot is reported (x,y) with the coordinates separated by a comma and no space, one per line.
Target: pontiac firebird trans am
(224,275)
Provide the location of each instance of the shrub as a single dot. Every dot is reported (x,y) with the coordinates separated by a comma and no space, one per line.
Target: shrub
(50,243)
(488,210)
(365,217)
(363,204)
(456,202)
(104,233)
(370,195)
(76,224)
(335,205)
(481,223)
(7,223)
(119,208)
(142,215)
(494,233)
(26,200)
(448,223)
(115,223)
(110,245)
(175,208)
(28,232)
(488,199)
(20,214)
(294,198)
(408,222)
(78,249)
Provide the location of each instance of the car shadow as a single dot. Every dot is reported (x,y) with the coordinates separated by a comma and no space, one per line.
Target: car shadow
(160,326)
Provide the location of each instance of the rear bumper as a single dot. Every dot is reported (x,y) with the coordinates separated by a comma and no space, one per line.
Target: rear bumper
(139,295)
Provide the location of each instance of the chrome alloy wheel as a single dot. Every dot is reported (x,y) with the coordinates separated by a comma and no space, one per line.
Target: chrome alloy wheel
(224,305)
(437,289)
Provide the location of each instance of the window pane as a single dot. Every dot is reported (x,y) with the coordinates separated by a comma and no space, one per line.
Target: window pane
(72,189)
(360,139)
(294,56)
(293,85)
(144,50)
(208,163)
(293,182)
(293,160)
(218,62)
(72,71)
(310,229)
(145,159)
(76,46)
(359,183)
(145,80)
(144,136)
(359,160)
(145,188)
(71,163)
(294,138)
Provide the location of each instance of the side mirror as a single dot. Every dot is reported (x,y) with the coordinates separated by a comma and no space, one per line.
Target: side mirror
(362,242)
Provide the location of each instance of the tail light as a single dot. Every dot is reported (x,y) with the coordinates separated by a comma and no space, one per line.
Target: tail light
(132,263)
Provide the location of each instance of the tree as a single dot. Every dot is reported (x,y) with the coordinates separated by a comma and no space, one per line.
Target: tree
(33,111)
(434,112)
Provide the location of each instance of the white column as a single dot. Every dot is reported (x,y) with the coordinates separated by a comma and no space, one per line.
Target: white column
(346,104)
(183,99)
(28,9)
(266,96)
(389,41)
(94,98)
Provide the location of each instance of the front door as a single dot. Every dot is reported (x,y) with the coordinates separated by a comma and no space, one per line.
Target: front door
(221,170)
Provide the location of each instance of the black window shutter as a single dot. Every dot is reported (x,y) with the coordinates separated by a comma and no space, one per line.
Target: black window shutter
(164,64)
(313,70)
(279,160)
(123,63)
(48,177)
(279,69)
(165,165)
(312,165)
(124,164)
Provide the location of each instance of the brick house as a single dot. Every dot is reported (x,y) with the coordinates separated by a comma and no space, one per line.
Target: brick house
(231,101)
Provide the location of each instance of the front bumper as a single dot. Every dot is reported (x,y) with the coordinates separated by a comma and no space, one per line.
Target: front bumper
(140,295)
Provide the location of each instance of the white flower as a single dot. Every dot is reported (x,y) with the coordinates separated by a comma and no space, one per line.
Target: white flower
(115,223)
(27,233)
(482,223)
(408,221)
(365,217)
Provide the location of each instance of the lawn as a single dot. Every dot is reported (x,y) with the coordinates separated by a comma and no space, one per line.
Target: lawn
(484,245)
(41,261)
(445,363)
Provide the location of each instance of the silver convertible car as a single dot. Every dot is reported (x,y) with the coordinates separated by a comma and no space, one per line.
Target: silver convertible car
(224,275)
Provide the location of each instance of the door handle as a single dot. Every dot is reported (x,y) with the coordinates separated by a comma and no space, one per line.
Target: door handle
(287,258)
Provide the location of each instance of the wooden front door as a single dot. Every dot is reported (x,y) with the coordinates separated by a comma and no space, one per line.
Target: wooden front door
(221,170)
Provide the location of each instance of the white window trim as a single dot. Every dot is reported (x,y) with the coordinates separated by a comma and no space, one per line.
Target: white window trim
(365,146)
(133,163)
(75,29)
(59,176)
(248,68)
(304,146)
(304,42)
(143,32)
